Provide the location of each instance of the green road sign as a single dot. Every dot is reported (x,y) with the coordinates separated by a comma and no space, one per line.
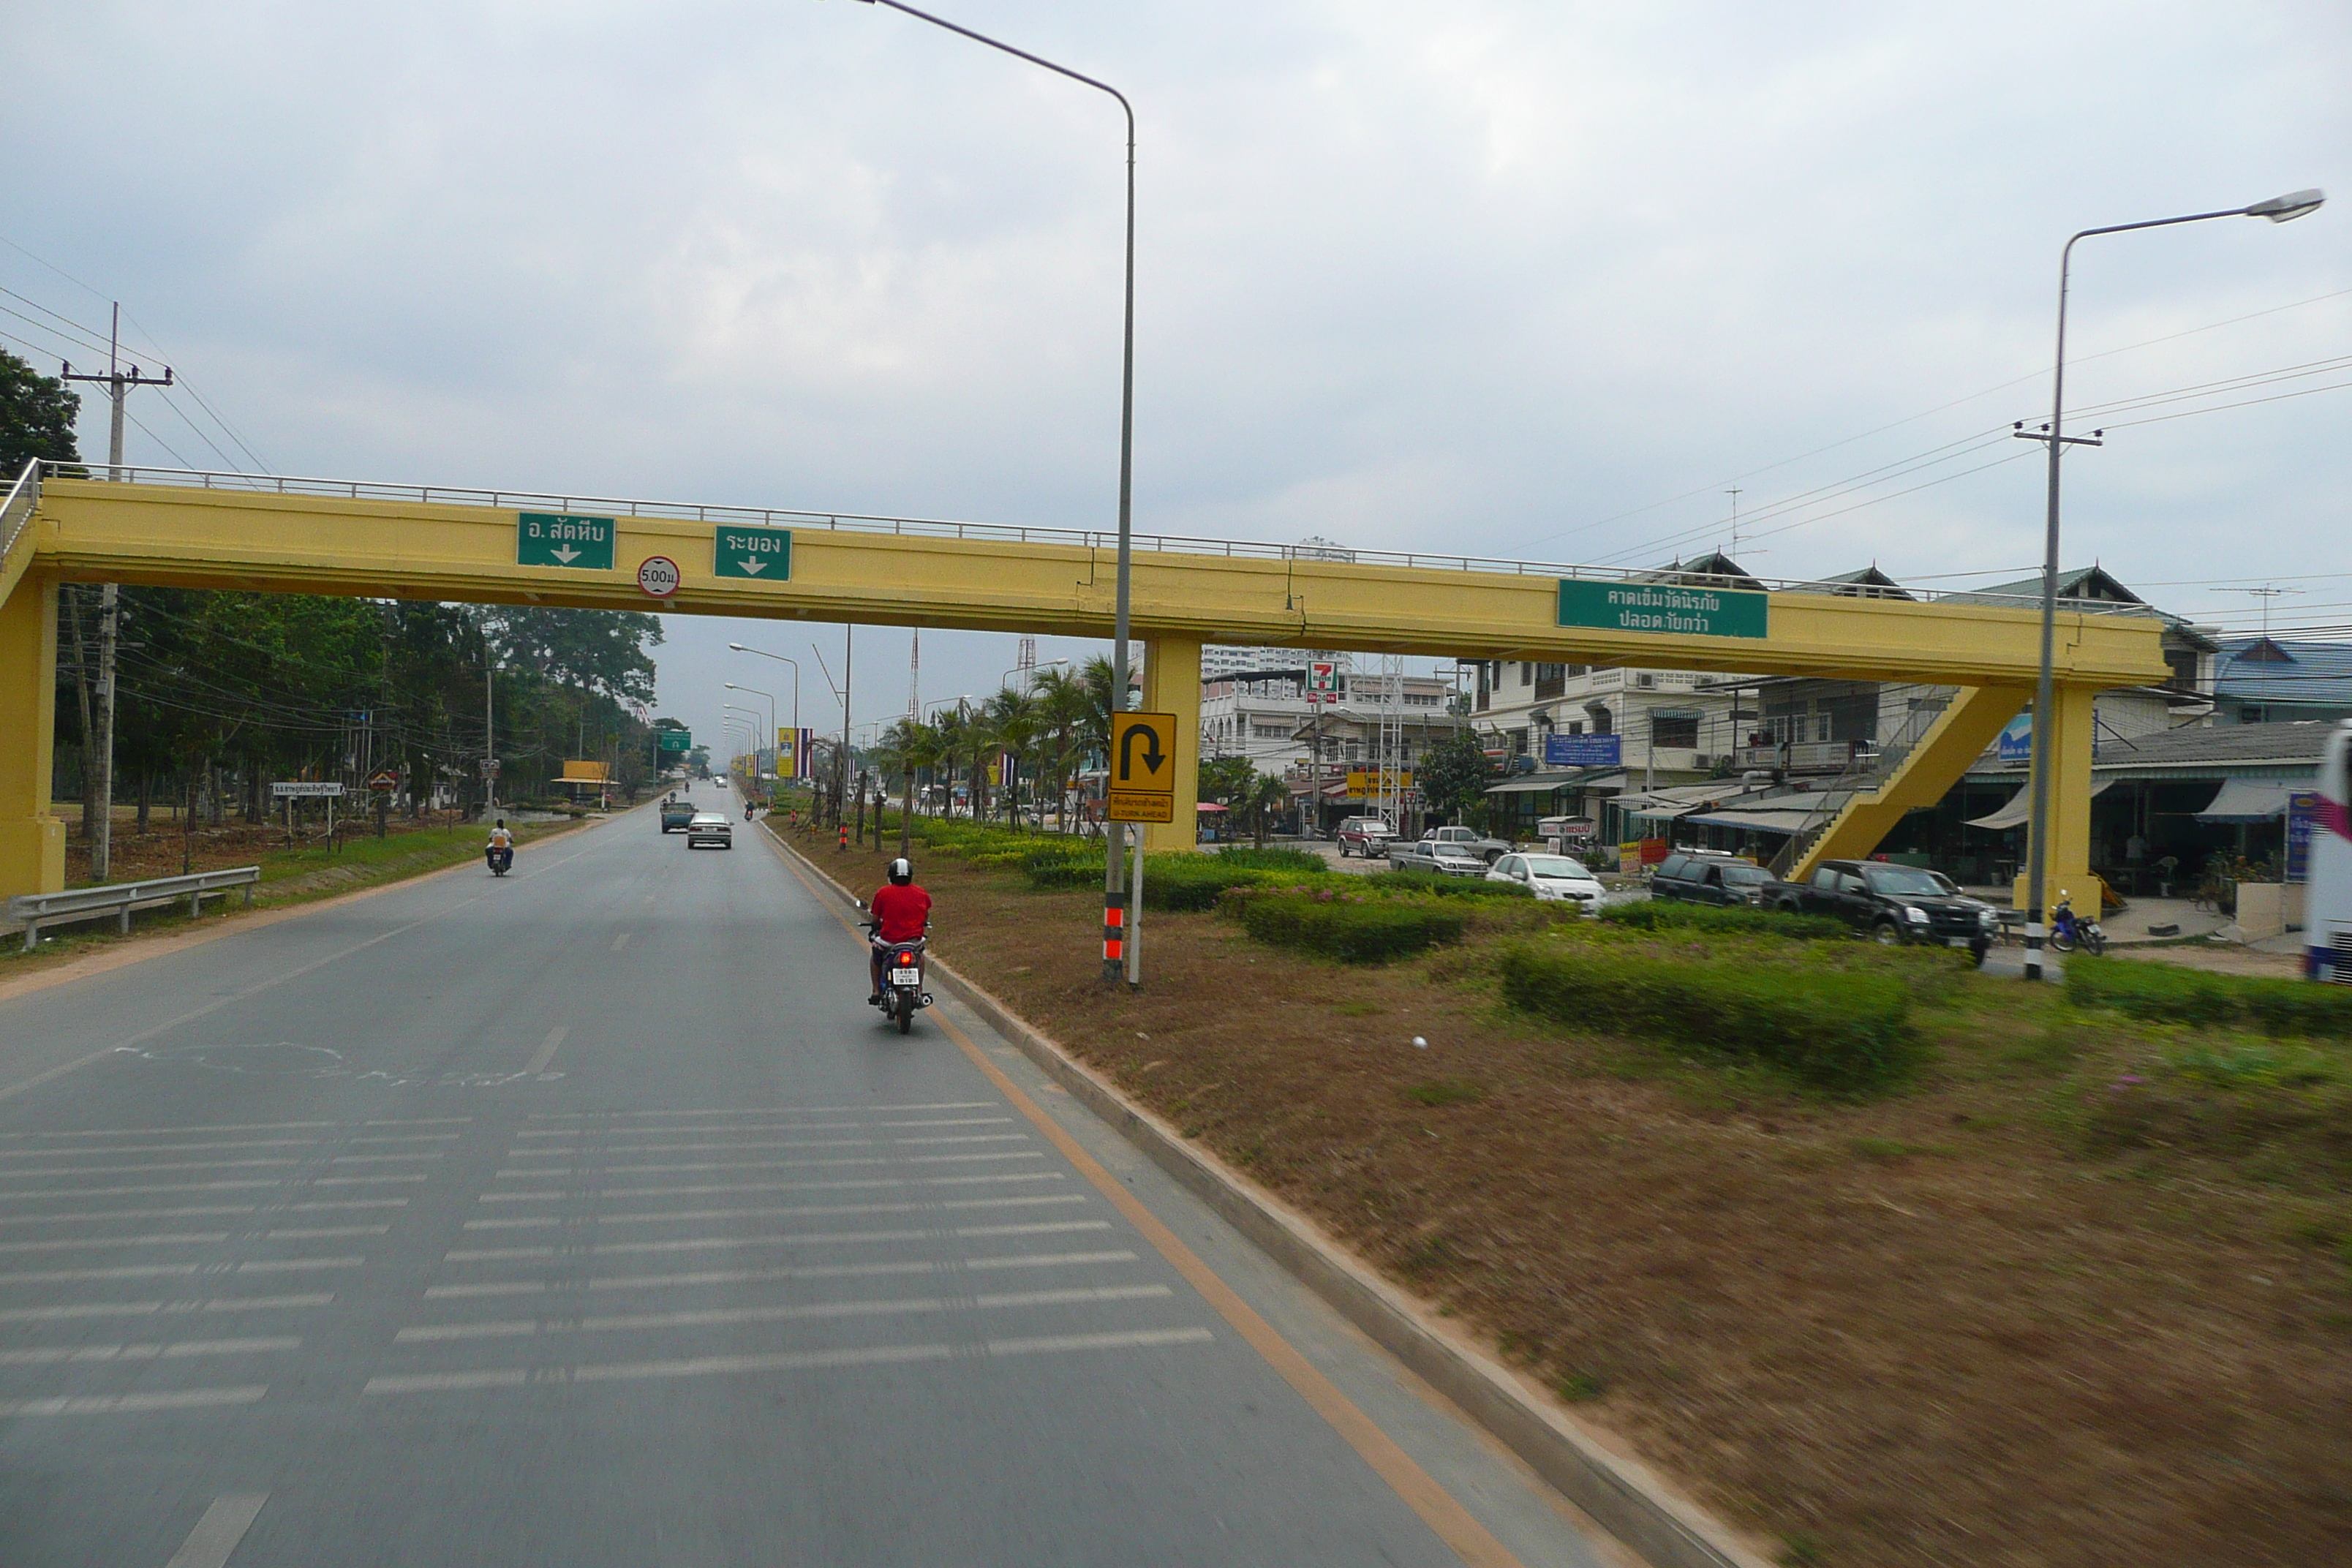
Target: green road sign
(1664,607)
(553,539)
(675,740)
(763,553)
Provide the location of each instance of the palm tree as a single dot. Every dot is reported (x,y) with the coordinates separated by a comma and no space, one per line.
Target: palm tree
(1259,802)
(1015,718)
(1062,697)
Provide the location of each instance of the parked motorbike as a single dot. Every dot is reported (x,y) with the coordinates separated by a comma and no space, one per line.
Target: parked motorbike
(902,977)
(501,859)
(2069,930)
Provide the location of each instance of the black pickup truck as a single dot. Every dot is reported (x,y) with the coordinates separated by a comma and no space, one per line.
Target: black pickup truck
(1890,903)
(677,815)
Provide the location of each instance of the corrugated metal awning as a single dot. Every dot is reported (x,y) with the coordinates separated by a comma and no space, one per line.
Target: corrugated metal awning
(2021,807)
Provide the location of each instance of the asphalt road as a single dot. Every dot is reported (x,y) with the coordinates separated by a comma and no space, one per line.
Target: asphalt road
(588,1217)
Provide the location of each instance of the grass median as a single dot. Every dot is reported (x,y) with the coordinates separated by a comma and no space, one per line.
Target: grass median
(2049,1282)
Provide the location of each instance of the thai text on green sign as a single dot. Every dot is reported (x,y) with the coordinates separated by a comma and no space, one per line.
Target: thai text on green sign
(1664,607)
(675,740)
(556,538)
(760,553)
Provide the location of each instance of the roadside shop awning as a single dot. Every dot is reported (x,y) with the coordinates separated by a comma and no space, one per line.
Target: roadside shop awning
(1789,822)
(1533,784)
(1208,806)
(2021,807)
(2248,800)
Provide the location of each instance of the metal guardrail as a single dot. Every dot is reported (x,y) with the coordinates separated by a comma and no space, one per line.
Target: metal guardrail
(38,910)
(17,509)
(941,528)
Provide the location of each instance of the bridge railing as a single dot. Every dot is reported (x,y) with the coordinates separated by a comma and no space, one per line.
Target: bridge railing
(1091,539)
(17,509)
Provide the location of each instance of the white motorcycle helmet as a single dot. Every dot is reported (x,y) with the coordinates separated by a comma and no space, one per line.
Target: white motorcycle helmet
(902,871)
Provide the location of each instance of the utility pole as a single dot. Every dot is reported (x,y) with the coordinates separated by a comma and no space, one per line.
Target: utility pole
(841,787)
(489,738)
(119,382)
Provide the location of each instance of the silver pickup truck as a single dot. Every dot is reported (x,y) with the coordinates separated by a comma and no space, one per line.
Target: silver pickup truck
(1488,849)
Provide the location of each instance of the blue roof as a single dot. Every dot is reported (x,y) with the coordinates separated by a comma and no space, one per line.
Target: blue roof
(2266,669)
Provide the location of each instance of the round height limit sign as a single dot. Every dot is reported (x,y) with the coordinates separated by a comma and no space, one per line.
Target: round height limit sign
(657,576)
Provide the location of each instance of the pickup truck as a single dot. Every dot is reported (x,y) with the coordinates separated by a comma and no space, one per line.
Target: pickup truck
(1443,859)
(1891,904)
(1488,849)
(677,815)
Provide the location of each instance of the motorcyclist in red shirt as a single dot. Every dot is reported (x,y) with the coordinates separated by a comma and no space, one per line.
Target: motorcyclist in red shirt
(901,912)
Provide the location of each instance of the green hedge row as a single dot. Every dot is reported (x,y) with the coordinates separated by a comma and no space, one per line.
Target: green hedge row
(1672,914)
(1845,1033)
(1435,884)
(1372,931)
(2165,991)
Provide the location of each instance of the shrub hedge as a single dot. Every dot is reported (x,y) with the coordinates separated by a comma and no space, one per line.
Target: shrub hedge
(1434,884)
(1844,1033)
(1372,931)
(1655,914)
(2165,991)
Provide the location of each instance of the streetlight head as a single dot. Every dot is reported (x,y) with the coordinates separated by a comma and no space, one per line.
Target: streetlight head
(735,647)
(2293,205)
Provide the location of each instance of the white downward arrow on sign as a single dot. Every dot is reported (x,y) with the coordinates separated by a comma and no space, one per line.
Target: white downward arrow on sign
(567,554)
(753,566)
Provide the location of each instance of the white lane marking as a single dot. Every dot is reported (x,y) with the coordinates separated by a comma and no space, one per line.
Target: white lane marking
(704,1244)
(320,1232)
(698,1165)
(418,1121)
(360,1181)
(736,1146)
(77,1355)
(730,1243)
(706,1188)
(175,1131)
(347,1203)
(766,1276)
(510,1328)
(183,1211)
(153,1308)
(170,1239)
(132,1404)
(667,1216)
(170,1270)
(621,941)
(771,1111)
(142,1169)
(547,1048)
(411,1138)
(387,1158)
(216,1535)
(782,1361)
(730,1132)
(242,1184)
(971,1137)
(163,1148)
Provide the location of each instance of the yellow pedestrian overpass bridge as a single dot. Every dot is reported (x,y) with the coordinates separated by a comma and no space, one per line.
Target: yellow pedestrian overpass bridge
(192,530)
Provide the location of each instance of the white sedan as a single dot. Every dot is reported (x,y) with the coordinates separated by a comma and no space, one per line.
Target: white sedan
(1550,877)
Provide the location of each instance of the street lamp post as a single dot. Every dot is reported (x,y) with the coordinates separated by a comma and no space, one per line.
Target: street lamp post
(781,659)
(2278,209)
(772,712)
(1114,835)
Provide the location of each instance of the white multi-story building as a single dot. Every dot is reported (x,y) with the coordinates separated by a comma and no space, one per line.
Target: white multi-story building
(1217,662)
(1263,715)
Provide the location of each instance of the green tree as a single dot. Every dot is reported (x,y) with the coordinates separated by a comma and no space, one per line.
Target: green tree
(37,417)
(1261,801)
(1454,775)
(1226,780)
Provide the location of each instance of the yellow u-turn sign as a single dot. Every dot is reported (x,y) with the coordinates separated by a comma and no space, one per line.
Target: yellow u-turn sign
(1143,764)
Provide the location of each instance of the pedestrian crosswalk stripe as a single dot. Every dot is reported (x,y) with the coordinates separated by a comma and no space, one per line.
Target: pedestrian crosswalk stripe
(164,1271)
(780,1361)
(131,1403)
(772,1110)
(779,1127)
(79,1355)
(717,1317)
(665,1216)
(761,1275)
(142,1169)
(174,1132)
(156,1309)
(164,1148)
(726,1243)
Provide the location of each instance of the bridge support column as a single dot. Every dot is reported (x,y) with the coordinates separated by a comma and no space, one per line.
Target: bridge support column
(1171,684)
(32,842)
(2068,863)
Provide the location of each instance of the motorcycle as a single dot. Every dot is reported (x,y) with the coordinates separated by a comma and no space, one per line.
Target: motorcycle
(2069,930)
(902,977)
(501,859)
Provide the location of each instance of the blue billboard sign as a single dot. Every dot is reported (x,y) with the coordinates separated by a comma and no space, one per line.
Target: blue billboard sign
(1584,750)
(2017,740)
(2302,811)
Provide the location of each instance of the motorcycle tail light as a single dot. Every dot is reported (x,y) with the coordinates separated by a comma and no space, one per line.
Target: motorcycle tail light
(905,959)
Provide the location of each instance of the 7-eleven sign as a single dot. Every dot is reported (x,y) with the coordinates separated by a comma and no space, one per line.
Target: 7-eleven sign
(1323,678)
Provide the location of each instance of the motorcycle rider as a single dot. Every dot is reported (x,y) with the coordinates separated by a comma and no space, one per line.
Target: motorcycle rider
(901,912)
(501,842)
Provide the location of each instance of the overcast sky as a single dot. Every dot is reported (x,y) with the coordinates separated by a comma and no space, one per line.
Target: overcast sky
(1537,279)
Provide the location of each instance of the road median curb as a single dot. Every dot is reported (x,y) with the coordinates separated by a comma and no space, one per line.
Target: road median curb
(1623,1495)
